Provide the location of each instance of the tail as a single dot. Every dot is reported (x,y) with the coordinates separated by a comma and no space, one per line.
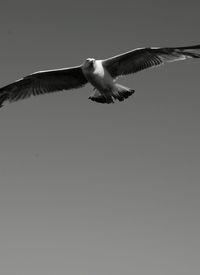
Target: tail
(121,92)
(101,98)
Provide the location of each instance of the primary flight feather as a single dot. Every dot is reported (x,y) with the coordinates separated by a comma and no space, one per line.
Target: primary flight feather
(101,74)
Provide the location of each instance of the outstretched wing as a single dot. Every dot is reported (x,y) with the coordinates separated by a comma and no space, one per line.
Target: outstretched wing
(143,58)
(43,82)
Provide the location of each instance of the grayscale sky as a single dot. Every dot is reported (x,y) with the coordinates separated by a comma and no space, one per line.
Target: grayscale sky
(96,189)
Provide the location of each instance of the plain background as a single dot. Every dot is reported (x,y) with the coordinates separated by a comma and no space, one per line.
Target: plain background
(96,189)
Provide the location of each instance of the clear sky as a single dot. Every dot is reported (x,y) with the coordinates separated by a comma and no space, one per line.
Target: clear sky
(96,189)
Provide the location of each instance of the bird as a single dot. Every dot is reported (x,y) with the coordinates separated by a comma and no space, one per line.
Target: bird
(101,74)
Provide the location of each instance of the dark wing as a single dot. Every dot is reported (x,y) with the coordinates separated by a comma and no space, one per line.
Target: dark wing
(140,59)
(43,82)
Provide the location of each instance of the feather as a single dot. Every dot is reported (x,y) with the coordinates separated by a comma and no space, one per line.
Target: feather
(43,82)
(143,58)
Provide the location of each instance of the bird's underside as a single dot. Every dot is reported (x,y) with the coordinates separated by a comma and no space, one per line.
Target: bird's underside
(101,74)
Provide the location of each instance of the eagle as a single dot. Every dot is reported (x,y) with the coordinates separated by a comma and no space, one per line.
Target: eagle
(101,74)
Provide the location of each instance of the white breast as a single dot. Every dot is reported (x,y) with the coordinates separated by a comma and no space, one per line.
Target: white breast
(99,77)
(99,69)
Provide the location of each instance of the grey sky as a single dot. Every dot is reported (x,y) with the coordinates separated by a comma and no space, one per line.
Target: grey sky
(92,189)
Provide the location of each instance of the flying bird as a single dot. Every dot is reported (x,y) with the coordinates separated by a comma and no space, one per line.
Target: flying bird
(101,74)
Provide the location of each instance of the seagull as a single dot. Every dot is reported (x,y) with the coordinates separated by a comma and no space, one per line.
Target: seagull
(101,74)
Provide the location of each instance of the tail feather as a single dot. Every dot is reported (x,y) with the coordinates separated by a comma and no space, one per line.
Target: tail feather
(101,98)
(121,92)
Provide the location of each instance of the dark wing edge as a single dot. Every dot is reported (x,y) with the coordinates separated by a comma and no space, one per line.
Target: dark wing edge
(43,82)
(143,58)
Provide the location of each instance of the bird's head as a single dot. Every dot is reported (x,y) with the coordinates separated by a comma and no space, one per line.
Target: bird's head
(89,63)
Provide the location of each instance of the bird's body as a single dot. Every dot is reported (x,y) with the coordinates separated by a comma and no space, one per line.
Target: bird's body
(96,74)
(105,87)
(101,74)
